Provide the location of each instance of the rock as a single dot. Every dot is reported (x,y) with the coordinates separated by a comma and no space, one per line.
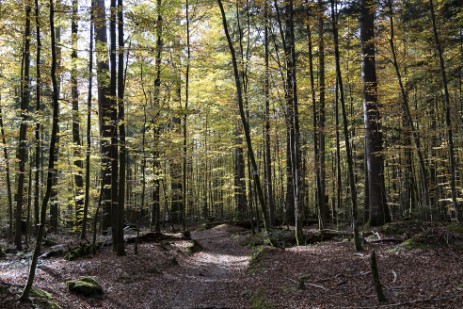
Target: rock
(85,286)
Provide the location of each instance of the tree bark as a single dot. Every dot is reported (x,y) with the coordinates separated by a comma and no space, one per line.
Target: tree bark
(7,174)
(244,121)
(448,122)
(51,161)
(350,163)
(378,212)
(22,154)
(104,110)
(83,235)
(78,177)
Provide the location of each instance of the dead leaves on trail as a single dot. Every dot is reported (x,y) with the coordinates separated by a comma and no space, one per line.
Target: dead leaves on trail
(168,274)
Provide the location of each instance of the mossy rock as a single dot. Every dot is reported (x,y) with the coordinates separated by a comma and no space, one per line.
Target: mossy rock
(85,286)
(81,251)
(405,229)
(436,236)
(260,254)
(42,299)
(194,247)
(281,238)
(276,238)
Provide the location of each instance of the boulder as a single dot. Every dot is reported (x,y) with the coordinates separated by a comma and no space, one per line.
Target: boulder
(85,286)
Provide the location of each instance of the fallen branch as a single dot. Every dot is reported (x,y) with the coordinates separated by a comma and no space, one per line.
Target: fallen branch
(394,274)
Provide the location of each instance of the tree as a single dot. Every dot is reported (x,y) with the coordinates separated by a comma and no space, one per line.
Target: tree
(350,163)
(448,122)
(377,205)
(244,121)
(105,109)
(78,178)
(22,154)
(51,161)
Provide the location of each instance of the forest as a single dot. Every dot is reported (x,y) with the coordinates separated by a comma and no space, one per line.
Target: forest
(162,123)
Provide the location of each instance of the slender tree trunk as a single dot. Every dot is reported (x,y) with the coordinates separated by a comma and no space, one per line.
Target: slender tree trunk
(316,144)
(244,121)
(267,131)
(322,207)
(185,115)
(78,177)
(83,235)
(241,204)
(156,206)
(38,126)
(7,174)
(120,119)
(22,154)
(51,162)
(448,122)
(350,163)
(407,114)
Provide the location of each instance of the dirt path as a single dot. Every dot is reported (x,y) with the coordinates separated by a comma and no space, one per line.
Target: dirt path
(211,278)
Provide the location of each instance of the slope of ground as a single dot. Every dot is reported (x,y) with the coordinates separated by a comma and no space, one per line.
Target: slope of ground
(166,275)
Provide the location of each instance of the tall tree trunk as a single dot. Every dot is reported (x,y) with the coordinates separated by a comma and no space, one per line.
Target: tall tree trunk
(267,132)
(407,114)
(350,163)
(322,207)
(38,126)
(78,177)
(51,161)
(293,115)
(83,234)
(104,109)
(54,202)
(156,205)
(316,144)
(185,116)
(448,122)
(247,132)
(120,118)
(7,174)
(379,213)
(22,154)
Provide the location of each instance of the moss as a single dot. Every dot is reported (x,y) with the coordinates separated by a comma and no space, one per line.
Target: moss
(455,227)
(42,299)
(411,244)
(194,247)
(258,302)
(86,286)
(81,251)
(259,254)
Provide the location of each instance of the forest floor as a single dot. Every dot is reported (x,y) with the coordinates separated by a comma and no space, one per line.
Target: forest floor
(226,274)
